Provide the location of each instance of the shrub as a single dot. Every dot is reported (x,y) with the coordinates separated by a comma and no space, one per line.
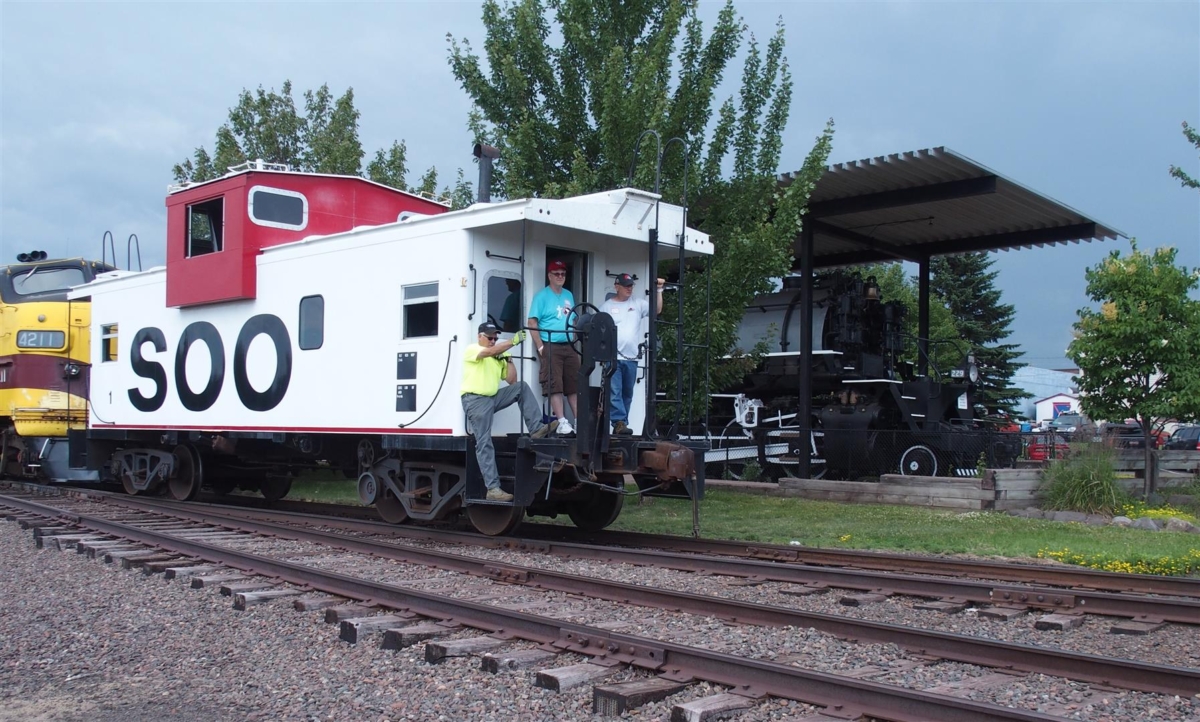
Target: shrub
(1083,482)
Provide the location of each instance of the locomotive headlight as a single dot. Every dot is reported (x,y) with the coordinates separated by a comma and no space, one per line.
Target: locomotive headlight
(972,369)
(72,371)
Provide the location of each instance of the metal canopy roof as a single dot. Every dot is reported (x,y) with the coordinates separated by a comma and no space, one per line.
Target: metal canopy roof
(914,205)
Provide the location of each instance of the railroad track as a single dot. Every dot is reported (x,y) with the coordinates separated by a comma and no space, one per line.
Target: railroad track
(180,531)
(1070,594)
(1020,573)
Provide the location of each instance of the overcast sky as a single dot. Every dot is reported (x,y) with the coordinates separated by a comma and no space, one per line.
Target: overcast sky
(1079,101)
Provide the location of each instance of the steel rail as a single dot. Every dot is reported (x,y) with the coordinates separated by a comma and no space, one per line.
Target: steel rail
(1123,673)
(747,676)
(1183,611)
(881,561)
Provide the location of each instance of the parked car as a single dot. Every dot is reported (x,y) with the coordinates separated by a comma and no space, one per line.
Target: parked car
(1123,436)
(1047,446)
(1185,438)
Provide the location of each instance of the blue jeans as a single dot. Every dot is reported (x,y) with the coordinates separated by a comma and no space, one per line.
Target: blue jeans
(621,395)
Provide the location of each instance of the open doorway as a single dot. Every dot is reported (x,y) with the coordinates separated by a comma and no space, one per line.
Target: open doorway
(577,271)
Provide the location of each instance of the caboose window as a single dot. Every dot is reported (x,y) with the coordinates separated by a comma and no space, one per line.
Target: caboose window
(276,208)
(502,302)
(421,310)
(206,227)
(312,322)
(108,342)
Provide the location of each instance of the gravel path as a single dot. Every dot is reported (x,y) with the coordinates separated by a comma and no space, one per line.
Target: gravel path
(85,641)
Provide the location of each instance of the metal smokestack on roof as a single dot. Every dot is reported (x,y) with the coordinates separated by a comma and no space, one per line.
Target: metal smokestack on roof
(485,154)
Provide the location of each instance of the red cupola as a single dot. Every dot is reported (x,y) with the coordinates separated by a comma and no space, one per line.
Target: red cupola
(215,230)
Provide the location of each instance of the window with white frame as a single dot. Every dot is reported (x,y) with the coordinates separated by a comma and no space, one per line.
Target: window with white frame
(421,310)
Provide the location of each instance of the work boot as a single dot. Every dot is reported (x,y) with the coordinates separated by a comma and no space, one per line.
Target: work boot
(622,429)
(498,494)
(545,430)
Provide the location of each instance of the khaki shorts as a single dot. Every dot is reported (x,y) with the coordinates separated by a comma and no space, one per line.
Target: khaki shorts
(558,369)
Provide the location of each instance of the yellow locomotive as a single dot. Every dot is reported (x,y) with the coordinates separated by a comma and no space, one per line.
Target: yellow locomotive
(44,362)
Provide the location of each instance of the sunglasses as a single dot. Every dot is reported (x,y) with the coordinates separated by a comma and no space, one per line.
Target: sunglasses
(491,338)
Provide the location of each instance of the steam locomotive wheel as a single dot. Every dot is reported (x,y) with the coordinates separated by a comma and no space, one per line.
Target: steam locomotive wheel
(599,511)
(918,460)
(389,507)
(274,488)
(185,481)
(495,519)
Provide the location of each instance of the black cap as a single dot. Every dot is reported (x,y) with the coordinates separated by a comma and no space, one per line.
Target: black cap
(624,279)
(489,328)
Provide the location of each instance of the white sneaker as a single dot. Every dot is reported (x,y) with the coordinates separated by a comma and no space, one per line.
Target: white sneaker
(565,428)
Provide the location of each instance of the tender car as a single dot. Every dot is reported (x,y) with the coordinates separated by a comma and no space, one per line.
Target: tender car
(1185,438)
(1047,446)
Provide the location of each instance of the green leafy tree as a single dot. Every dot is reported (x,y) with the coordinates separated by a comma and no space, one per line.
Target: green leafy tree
(1137,352)
(567,87)
(1184,179)
(966,288)
(265,124)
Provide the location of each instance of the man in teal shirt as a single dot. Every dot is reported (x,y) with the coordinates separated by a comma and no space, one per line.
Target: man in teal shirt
(549,315)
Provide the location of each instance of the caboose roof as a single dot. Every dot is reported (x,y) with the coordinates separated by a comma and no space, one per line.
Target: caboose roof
(626,213)
(280,170)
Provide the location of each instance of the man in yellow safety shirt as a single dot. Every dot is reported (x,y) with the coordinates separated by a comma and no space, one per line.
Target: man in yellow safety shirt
(485,363)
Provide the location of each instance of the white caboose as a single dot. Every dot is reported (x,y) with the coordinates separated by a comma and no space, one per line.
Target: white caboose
(263,348)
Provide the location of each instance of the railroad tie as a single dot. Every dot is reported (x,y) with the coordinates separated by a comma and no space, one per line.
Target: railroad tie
(191,571)
(116,555)
(945,606)
(613,700)
(314,602)
(710,708)
(152,567)
(355,630)
(335,615)
(562,679)
(1058,622)
(1003,614)
(405,637)
(438,652)
(1136,627)
(231,588)
(242,600)
(207,580)
(520,659)
(135,562)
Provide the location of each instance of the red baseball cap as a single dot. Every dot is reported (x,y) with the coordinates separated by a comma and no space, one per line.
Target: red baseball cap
(556,266)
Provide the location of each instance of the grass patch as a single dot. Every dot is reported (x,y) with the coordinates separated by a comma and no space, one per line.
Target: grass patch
(1084,482)
(325,486)
(732,515)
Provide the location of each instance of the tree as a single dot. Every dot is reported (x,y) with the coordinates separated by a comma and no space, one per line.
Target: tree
(966,288)
(566,117)
(1137,352)
(1184,179)
(264,124)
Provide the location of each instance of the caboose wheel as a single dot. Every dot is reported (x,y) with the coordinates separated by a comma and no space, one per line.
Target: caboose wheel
(274,488)
(390,508)
(918,460)
(598,512)
(495,519)
(127,482)
(184,483)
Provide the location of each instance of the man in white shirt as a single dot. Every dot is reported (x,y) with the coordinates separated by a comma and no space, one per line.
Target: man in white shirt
(627,312)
